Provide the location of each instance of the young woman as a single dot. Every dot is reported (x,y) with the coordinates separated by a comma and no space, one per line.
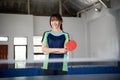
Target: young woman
(53,45)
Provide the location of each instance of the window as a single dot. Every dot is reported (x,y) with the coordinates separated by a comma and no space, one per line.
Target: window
(20,50)
(20,41)
(38,54)
(3,38)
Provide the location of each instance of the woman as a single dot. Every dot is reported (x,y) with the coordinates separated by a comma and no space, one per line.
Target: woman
(53,45)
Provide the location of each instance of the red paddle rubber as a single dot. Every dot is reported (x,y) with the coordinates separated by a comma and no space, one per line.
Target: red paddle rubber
(71,45)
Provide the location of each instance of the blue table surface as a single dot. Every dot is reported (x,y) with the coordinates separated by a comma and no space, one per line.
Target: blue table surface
(69,77)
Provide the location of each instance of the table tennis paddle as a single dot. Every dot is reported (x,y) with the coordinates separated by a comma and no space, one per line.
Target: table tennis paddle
(71,45)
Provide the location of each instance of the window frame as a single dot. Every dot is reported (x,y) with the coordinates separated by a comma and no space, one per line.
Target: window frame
(25,52)
(41,55)
(26,45)
(37,45)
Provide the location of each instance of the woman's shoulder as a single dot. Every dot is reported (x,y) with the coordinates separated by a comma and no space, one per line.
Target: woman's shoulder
(66,33)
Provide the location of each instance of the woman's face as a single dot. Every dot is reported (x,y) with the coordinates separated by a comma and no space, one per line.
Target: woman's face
(55,23)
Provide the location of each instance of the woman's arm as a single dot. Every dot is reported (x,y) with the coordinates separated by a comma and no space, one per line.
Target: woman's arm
(53,50)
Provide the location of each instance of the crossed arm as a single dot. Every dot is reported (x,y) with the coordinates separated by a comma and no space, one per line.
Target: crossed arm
(45,49)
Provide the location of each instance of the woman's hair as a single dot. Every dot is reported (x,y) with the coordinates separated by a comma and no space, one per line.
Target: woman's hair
(56,16)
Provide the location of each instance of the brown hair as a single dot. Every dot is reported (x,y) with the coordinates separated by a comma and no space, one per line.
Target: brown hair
(58,17)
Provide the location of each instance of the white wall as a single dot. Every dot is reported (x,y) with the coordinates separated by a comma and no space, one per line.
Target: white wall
(13,25)
(102,33)
(75,28)
(117,9)
(103,37)
(41,24)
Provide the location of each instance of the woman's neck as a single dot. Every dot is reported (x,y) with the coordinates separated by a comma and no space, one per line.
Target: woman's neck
(56,31)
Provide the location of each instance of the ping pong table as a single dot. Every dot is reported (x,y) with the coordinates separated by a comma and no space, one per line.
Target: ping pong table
(69,77)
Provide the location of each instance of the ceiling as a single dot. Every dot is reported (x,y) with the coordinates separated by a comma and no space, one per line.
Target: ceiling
(47,7)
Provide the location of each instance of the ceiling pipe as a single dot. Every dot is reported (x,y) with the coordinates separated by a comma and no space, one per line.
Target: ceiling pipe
(87,8)
(63,4)
(103,3)
(28,6)
(60,7)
